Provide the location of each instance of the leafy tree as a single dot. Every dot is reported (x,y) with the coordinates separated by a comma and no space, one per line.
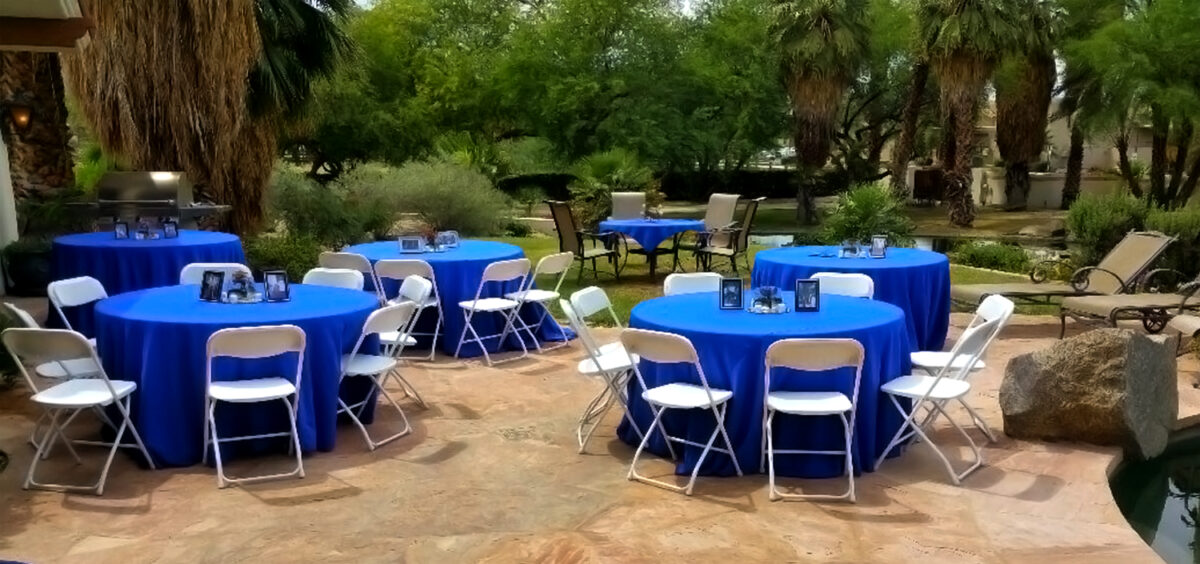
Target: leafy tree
(822,43)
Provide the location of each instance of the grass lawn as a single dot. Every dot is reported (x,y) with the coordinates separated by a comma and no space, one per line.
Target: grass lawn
(635,284)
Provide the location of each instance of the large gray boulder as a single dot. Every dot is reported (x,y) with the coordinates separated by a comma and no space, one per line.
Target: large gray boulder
(1104,387)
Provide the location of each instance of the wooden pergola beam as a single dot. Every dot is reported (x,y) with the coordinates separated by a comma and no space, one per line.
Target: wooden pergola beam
(37,34)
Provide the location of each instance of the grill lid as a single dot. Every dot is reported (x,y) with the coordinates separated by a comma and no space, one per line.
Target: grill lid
(149,187)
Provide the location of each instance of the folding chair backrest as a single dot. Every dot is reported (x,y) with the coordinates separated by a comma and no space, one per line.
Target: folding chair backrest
(348,261)
(194,272)
(387,319)
(846,284)
(564,224)
(743,236)
(257,342)
(691,283)
(719,213)
(32,346)
(581,328)
(334,277)
(1128,260)
(592,300)
(399,269)
(816,355)
(659,347)
(23,316)
(74,292)
(628,205)
(970,348)
(558,263)
(505,270)
(415,289)
(995,306)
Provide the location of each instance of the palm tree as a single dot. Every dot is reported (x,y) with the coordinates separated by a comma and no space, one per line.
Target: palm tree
(203,85)
(908,126)
(1024,83)
(822,43)
(966,39)
(40,156)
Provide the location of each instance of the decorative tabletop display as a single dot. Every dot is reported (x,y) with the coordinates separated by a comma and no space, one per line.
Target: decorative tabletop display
(849,249)
(768,300)
(241,290)
(143,230)
(121,230)
(412,244)
(731,293)
(170,229)
(211,285)
(446,240)
(808,295)
(879,245)
(276,283)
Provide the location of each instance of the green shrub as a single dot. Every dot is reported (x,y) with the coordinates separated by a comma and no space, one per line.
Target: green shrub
(530,155)
(867,210)
(995,256)
(528,197)
(1183,224)
(369,199)
(599,175)
(91,165)
(296,254)
(516,228)
(1098,223)
(311,210)
(447,196)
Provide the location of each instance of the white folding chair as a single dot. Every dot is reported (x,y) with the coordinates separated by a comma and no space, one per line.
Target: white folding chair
(994,307)
(70,398)
(499,272)
(691,283)
(377,368)
(668,348)
(628,205)
(613,365)
(414,290)
(74,292)
(812,355)
(401,269)
(352,261)
(335,278)
(194,272)
(933,392)
(846,284)
(556,264)
(253,343)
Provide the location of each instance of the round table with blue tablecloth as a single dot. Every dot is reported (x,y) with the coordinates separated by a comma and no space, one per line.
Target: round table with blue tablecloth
(458,272)
(650,233)
(732,345)
(916,281)
(126,265)
(158,339)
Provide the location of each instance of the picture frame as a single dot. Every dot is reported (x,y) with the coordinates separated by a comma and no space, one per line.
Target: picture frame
(732,294)
(212,283)
(411,244)
(447,239)
(879,245)
(121,230)
(170,230)
(276,286)
(808,295)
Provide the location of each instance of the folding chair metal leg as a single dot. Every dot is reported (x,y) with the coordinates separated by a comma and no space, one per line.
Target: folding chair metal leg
(910,424)
(978,421)
(57,432)
(406,387)
(774,492)
(613,391)
(293,448)
(373,444)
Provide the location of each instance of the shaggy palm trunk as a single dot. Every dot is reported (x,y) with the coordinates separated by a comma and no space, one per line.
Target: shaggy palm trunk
(962,79)
(814,105)
(1074,179)
(164,85)
(1188,187)
(908,129)
(1182,142)
(1023,89)
(39,156)
(1160,126)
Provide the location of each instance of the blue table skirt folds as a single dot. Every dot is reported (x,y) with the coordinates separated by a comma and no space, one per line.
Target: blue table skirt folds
(458,272)
(914,280)
(650,233)
(158,339)
(732,347)
(127,265)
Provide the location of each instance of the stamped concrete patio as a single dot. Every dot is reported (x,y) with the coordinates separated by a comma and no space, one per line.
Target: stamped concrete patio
(492,474)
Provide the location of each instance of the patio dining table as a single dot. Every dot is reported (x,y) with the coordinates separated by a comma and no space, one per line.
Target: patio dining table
(651,232)
(732,346)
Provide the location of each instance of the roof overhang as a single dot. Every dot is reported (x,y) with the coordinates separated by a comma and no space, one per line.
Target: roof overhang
(43,25)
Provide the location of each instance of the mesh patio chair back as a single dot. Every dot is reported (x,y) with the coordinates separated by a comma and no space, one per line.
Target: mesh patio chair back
(628,205)
(743,237)
(1132,256)
(564,224)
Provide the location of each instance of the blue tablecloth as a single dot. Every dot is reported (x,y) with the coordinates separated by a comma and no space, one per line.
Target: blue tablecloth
(126,265)
(650,233)
(916,281)
(732,345)
(158,338)
(458,272)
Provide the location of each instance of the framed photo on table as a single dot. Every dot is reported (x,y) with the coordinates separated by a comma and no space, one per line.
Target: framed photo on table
(276,284)
(412,244)
(211,285)
(121,230)
(879,245)
(808,295)
(170,230)
(731,293)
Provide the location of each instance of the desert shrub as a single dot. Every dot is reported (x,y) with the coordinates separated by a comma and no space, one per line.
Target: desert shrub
(599,175)
(529,197)
(369,199)
(445,195)
(516,228)
(867,210)
(1097,223)
(321,213)
(295,253)
(1183,224)
(996,256)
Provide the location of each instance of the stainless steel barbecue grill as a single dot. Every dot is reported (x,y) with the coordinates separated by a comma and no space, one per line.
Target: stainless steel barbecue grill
(127,196)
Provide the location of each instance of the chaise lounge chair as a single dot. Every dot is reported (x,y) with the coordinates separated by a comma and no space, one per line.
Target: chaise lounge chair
(1118,273)
(1154,310)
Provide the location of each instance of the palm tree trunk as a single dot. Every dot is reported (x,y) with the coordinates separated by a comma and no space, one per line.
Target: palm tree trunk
(1182,142)
(806,208)
(960,202)
(1189,186)
(908,129)
(40,156)
(1016,185)
(1161,129)
(1126,167)
(1074,169)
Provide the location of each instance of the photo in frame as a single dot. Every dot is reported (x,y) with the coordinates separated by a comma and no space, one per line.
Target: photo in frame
(808,295)
(276,285)
(447,239)
(211,285)
(121,230)
(412,244)
(731,293)
(170,230)
(879,245)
